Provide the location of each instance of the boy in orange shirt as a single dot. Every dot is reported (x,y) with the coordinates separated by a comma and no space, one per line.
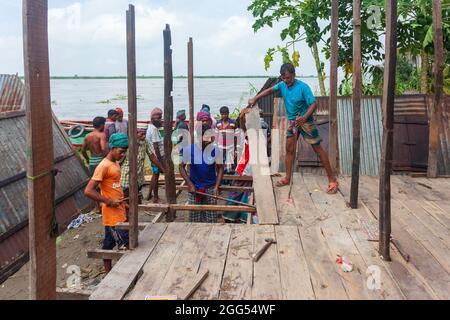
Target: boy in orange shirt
(107,177)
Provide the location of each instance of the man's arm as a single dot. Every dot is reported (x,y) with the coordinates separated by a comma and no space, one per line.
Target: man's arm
(220,171)
(84,151)
(183,173)
(157,151)
(263,94)
(92,193)
(104,145)
(302,119)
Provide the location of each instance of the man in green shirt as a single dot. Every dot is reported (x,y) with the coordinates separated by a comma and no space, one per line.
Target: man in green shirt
(300,105)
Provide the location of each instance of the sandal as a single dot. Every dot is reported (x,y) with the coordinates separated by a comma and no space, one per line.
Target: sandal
(333,187)
(283,182)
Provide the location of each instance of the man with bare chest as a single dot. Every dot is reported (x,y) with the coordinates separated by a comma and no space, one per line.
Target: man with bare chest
(96,143)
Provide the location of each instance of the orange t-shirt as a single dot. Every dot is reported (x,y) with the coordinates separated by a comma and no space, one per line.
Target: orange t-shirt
(108,174)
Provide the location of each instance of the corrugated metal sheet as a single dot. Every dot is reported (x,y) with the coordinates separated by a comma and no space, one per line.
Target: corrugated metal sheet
(371,135)
(13,192)
(11,93)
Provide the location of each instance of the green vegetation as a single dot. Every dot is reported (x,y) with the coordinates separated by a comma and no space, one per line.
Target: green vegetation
(305,23)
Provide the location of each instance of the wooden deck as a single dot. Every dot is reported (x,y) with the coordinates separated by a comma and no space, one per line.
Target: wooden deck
(315,230)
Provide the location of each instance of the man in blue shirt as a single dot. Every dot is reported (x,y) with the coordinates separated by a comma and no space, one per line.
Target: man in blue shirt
(205,174)
(300,105)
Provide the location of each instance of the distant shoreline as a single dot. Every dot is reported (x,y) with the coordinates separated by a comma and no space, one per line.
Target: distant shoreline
(159,77)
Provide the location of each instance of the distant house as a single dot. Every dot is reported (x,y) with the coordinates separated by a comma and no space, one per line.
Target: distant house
(70,182)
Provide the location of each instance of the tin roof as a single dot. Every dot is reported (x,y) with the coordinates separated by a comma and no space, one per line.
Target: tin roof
(70,181)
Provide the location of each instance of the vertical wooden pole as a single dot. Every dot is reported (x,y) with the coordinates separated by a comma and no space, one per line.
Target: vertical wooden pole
(388,129)
(437,108)
(333,134)
(169,174)
(39,150)
(356,99)
(132,127)
(191,87)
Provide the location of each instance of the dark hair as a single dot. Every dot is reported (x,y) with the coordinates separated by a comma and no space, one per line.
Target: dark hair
(98,122)
(205,128)
(205,106)
(287,67)
(224,110)
(111,113)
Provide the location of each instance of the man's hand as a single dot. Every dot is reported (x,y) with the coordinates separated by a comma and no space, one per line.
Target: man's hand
(112,203)
(300,121)
(191,188)
(251,102)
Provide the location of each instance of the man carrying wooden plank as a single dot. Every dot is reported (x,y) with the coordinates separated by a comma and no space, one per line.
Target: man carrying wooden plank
(300,105)
(205,174)
(107,177)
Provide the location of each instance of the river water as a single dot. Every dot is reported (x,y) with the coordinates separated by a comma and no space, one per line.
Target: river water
(84,99)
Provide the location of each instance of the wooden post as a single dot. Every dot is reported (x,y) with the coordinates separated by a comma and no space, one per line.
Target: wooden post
(388,130)
(169,174)
(191,88)
(437,108)
(356,99)
(333,134)
(39,150)
(132,127)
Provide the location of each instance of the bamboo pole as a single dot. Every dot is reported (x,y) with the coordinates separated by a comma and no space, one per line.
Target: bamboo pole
(388,130)
(169,174)
(132,127)
(356,99)
(437,107)
(42,240)
(333,134)
(191,88)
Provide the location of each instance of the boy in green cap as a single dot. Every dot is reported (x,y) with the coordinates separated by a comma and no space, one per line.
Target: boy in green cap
(107,177)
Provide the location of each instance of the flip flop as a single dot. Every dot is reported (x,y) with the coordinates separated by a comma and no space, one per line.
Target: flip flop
(333,187)
(282,183)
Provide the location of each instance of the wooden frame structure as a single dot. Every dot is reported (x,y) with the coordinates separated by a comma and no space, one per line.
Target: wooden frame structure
(40,161)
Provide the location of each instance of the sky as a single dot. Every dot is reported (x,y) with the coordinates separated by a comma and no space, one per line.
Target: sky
(88,37)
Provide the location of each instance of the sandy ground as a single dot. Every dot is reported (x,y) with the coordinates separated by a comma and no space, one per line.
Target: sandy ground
(71,250)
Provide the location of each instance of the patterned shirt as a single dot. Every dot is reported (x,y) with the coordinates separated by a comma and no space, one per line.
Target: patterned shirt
(144,148)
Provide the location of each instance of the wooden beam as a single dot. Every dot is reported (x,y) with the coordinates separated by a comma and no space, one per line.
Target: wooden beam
(191,88)
(159,217)
(262,185)
(332,114)
(105,254)
(356,99)
(197,207)
(196,283)
(42,242)
(223,188)
(387,147)
(169,174)
(132,128)
(72,294)
(178,177)
(126,225)
(155,207)
(437,106)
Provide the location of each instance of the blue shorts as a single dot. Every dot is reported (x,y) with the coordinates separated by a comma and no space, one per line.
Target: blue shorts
(155,168)
(115,237)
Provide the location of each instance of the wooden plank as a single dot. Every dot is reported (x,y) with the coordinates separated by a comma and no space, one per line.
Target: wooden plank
(425,265)
(262,182)
(191,88)
(294,272)
(356,100)
(72,294)
(154,207)
(159,217)
(266,272)
(387,146)
(157,265)
(179,178)
(440,210)
(198,280)
(237,278)
(126,225)
(223,188)
(132,127)
(169,174)
(42,246)
(216,208)
(214,260)
(333,146)
(105,254)
(341,244)
(187,261)
(437,106)
(120,279)
(288,213)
